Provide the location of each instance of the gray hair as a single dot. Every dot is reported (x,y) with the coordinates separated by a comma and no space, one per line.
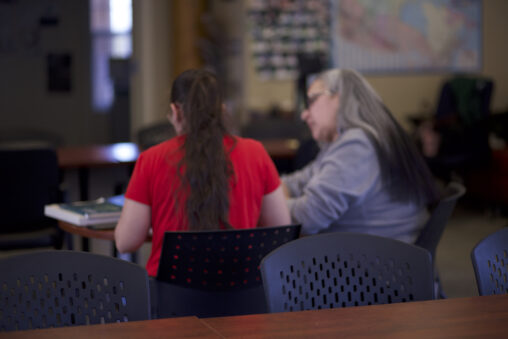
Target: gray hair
(361,107)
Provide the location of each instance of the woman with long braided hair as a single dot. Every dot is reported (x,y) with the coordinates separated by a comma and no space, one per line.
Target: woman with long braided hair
(202,179)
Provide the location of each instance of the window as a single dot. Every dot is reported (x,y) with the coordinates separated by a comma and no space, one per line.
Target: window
(111,27)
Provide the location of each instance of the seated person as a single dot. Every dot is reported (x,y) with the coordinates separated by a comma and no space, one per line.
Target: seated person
(202,179)
(456,140)
(368,176)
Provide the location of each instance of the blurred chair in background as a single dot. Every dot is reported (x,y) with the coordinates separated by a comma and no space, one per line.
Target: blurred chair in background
(154,134)
(276,126)
(66,288)
(433,230)
(490,263)
(342,269)
(29,180)
(459,128)
(214,273)
(306,153)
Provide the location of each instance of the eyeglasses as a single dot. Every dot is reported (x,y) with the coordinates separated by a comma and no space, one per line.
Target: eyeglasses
(309,101)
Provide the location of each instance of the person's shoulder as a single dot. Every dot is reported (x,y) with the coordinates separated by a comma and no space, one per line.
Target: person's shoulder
(248,150)
(247,144)
(354,139)
(353,136)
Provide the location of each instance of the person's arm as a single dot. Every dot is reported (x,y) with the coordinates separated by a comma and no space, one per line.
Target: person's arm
(285,190)
(133,226)
(346,172)
(274,210)
(294,183)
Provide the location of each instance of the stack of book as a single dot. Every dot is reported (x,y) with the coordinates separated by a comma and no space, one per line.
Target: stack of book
(87,213)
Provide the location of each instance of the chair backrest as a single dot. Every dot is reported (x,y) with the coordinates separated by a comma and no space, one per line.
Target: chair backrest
(273,128)
(154,134)
(215,273)
(433,229)
(490,263)
(65,288)
(345,269)
(30,180)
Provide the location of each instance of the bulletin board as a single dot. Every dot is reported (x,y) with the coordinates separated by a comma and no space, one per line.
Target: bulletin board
(281,30)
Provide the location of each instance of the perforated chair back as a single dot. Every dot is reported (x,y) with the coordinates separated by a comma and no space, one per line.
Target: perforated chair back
(215,273)
(65,288)
(433,229)
(345,269)
(490,263)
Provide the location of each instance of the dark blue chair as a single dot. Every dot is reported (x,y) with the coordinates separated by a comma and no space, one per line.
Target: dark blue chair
(490,263)
(433,230)
(66,288)
(30,179)
(345,269)
(214,273)
(154,134)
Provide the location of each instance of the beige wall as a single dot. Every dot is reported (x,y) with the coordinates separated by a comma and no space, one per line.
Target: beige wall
(403,94)
(406,94)
(495,51)
(150,81)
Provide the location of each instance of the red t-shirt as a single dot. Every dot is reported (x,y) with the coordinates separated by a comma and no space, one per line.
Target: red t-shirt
(155,180)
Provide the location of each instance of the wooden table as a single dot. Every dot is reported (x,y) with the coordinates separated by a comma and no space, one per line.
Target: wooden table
(476,317)
(84,158)
(88,232)
(480,317)
(97,155)
(128,152)
(91,232)
(186,327)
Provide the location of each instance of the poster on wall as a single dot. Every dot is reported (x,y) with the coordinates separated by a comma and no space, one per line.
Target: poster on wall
(407,35)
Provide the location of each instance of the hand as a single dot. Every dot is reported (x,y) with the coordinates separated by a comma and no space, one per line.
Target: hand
(285,190)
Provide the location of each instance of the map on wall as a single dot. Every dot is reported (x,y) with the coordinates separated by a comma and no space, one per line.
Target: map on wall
(407,35)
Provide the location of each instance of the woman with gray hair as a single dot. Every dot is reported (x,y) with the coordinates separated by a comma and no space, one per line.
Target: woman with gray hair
(368,176)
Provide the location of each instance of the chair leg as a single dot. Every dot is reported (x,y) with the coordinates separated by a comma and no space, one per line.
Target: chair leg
(154,298)
(69,241)
(438,288)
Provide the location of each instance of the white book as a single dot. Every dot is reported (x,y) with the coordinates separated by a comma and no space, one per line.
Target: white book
(87,213)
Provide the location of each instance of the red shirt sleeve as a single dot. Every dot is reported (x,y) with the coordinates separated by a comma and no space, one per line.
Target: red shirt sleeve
(139,185)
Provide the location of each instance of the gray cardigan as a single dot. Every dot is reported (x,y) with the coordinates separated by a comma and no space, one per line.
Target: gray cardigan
(342,190)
